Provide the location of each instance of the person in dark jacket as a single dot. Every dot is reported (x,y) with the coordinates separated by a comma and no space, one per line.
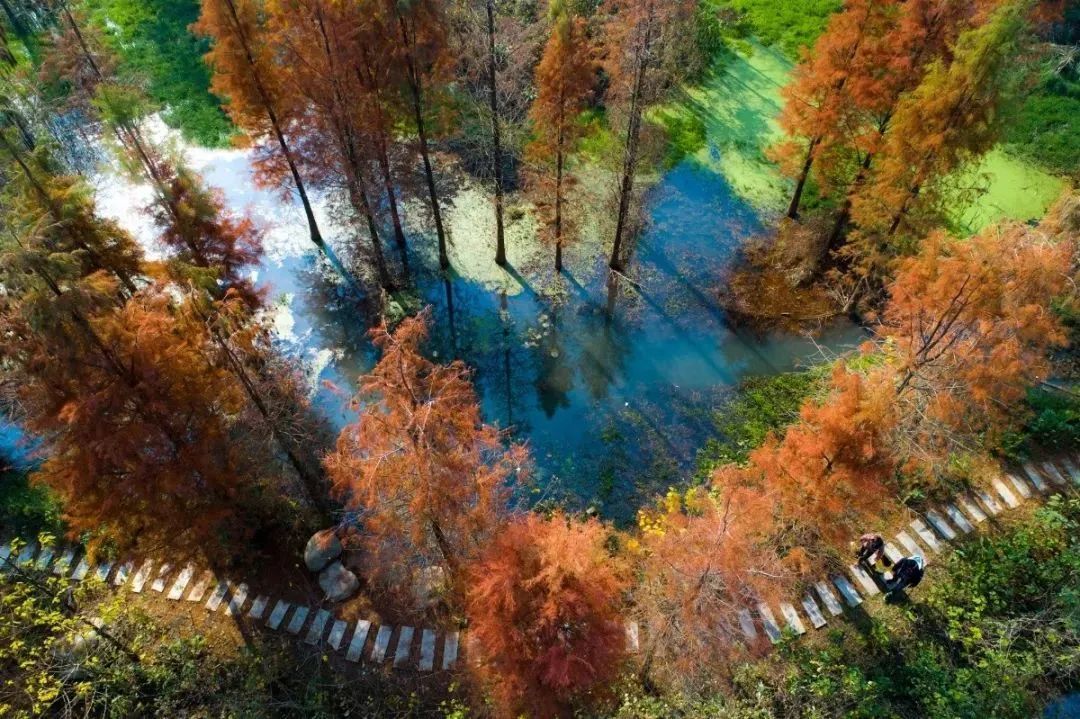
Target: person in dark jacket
(908,572)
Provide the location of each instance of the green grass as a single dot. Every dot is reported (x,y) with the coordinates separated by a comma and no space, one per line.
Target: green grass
(153,40)
(727,121)
(788,24)
(1015,189)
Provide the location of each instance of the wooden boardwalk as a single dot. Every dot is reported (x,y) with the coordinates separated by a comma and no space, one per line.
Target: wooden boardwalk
(927,536)
(393,645)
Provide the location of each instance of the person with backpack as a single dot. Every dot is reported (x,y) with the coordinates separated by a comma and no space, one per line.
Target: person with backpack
(908,572)
(871,548)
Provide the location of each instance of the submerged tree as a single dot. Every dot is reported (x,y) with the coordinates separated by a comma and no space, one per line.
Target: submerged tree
(246,74)
(564,78)
(544,603)
(430,480)
(950,118)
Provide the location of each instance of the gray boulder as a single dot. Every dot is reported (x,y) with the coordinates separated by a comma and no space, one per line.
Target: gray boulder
(323,548)
(337,582)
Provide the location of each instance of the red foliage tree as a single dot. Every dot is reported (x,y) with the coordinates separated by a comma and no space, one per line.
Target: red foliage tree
(563,80)
(544,603)
(430,479)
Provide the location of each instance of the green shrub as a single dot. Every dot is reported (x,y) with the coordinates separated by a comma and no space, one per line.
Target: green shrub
(788,25)
(153,40)
(759,406)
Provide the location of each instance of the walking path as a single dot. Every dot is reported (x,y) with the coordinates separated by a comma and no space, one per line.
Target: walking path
(407,648)
(926,536)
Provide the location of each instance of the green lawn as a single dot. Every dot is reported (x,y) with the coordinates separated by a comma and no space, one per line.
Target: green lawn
(727,121)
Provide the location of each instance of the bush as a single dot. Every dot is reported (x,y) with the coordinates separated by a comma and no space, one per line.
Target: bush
(153,40)
(759,406)
(1054,424)
(788,25)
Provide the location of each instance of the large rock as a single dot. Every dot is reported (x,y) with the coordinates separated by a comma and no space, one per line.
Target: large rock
(337,582)
(323,548)
(429,586)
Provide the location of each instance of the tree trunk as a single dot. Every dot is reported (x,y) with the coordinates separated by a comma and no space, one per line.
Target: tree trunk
(793,208)
(448,286)
(558,200)
(309,213)
(633,126)
(16,22)
(388,187)
(416,90)
(500,241)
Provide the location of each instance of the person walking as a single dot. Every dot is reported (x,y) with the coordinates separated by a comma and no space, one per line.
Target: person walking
(908,572)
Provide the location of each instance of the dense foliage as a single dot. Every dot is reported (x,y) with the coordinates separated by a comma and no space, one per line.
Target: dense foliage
(993,633)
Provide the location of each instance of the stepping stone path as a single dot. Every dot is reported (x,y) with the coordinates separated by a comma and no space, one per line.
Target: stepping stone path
(941,525)
(946,523)
(404,645)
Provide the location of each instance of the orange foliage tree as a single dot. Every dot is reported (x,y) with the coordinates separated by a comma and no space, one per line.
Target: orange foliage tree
(245,72)
(563,80)
(821,102)
(951,117)
(544,603)
(832,469)
(704,558)
(968,326)
(429,479)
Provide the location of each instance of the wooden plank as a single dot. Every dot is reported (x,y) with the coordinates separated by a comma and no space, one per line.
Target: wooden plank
(909,544)
(1070,466)
(865,580)
(29,551)
(123,572)
(794,621)
(941,524)
(103,570)
(832,604)
(1033,474)
(182,580)
(427,650)
(318,627)
(81,570)
(162,577)
(450,650)
(139,580)
(851,597)
(280,609)
(258,607)
(199,590)
(925,535)
(5,552)
(403,648)
(632,643)
(299,616)
(958,518)
(1005,492)
(812,611)
(989,502)
(768,621)
(893,552)
(1019,485)
(1054,473)
(382,641)
(359,637)
(63,565)
(972,508)
(239,596)
(746,623)
(337,634)
(45,557)
(218,595)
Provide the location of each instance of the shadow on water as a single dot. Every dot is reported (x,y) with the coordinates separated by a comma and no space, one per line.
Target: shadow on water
(613,404)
